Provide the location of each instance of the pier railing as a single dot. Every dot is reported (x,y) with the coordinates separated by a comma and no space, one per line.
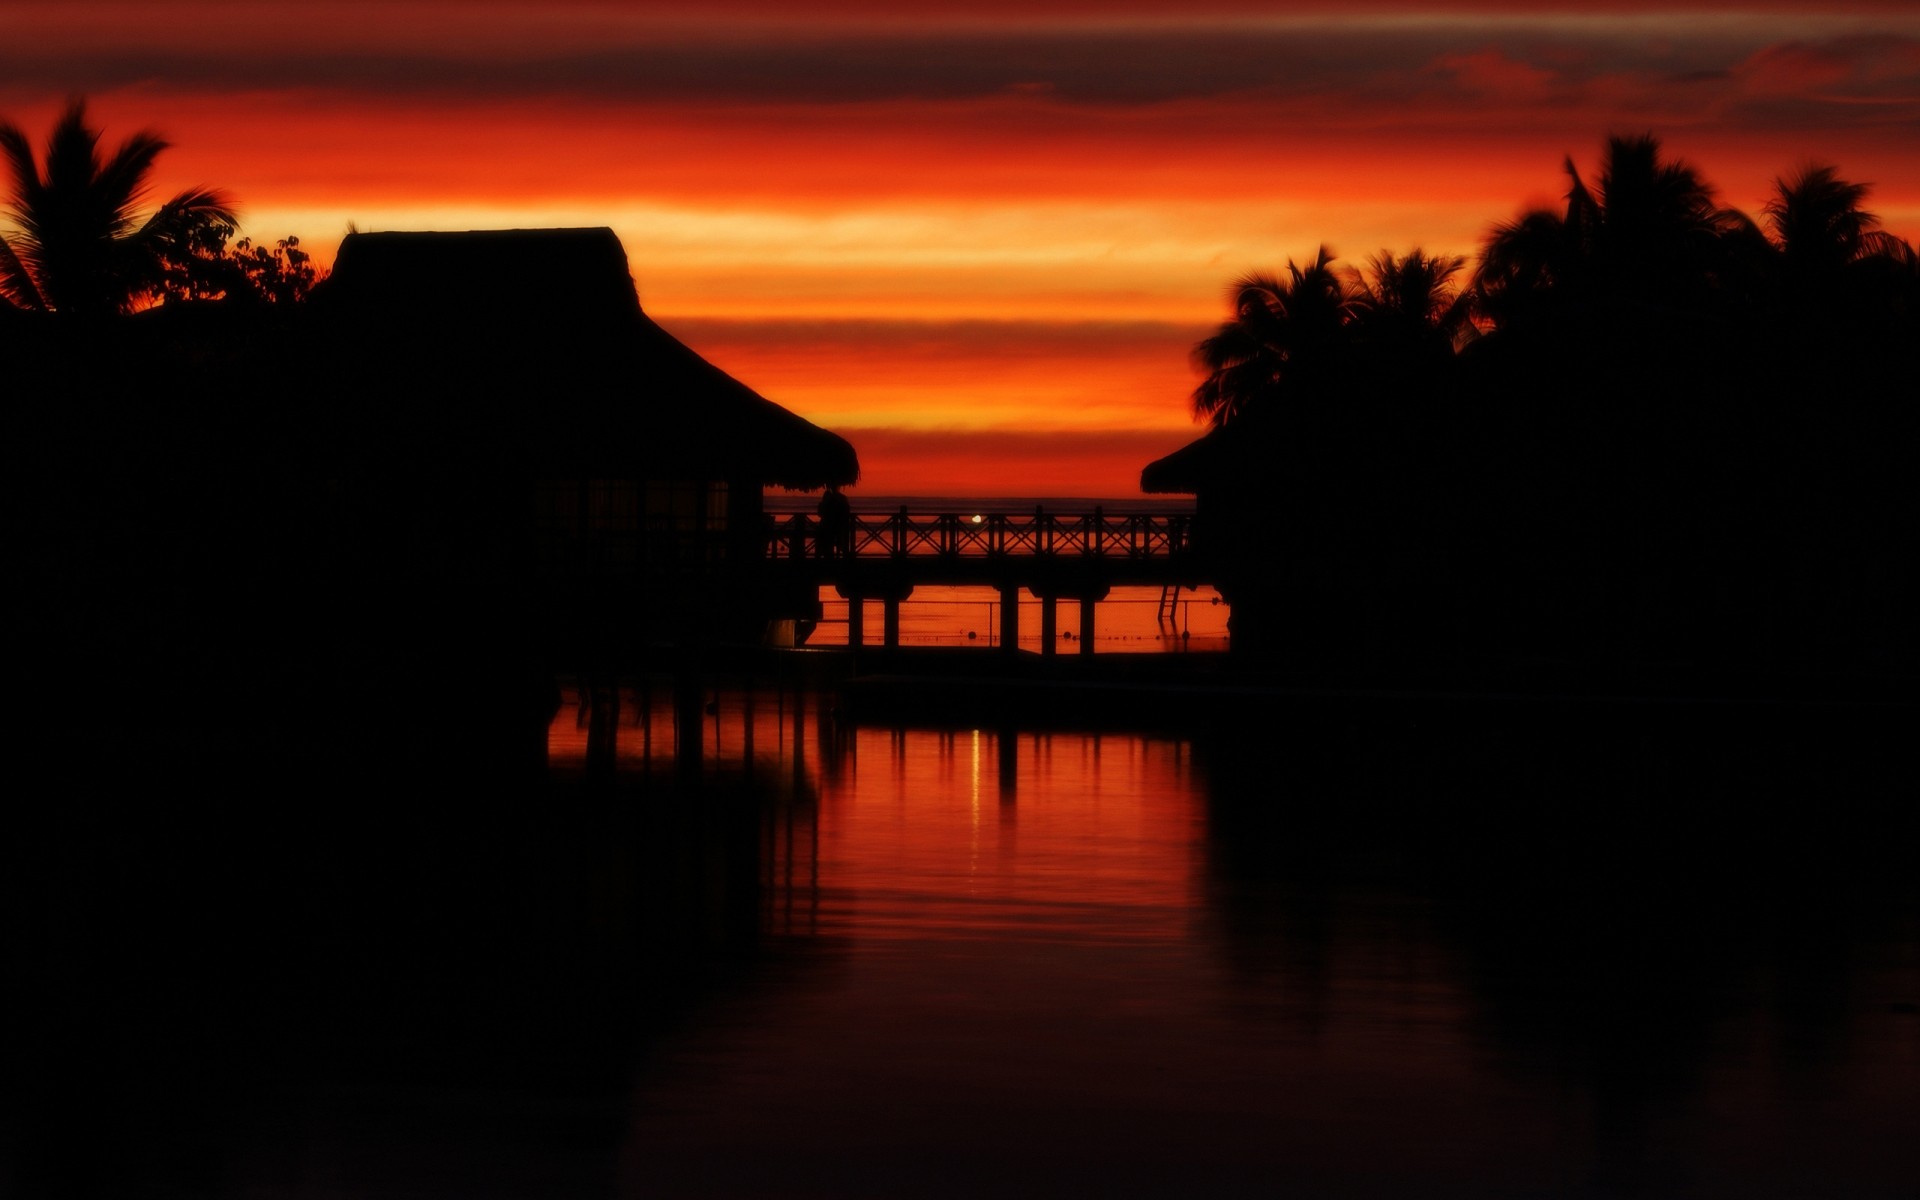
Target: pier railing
(1133,537)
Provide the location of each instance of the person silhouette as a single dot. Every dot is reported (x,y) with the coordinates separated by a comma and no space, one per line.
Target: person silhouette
(834,538)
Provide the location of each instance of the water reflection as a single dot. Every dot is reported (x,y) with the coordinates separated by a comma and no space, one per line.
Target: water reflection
(1571,955)
(1359,952)
(1667,951)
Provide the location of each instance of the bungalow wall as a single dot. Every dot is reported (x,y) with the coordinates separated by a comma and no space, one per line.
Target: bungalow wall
(628,527)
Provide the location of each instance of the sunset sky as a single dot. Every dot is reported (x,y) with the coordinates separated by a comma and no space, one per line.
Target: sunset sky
(976,239)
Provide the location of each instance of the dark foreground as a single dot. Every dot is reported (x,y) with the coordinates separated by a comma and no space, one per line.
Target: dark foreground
(1667,949)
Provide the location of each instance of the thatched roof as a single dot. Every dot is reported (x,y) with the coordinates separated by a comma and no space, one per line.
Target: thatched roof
(538,336)
(1189,467)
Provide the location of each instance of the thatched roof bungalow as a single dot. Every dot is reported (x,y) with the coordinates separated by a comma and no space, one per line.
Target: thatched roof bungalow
(543,330)
(512,376)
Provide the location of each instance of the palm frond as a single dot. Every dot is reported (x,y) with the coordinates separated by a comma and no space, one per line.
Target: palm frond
(1582,214)
(17,285)
(25,185)
(1522,259)
(185,213)
(1815,216)
(1878,244)
(72,154)
(80,243)
(121,181)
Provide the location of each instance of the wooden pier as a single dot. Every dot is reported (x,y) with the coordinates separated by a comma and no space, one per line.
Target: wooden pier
(1075,557)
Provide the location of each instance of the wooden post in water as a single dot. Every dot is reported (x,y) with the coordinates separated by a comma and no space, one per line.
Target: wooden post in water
(688,715)
(1010,618)
(797,751)
(602,696)
(746,723)
(643,700)
(1049,623)
(1087,606)
(890,620)
(856,620)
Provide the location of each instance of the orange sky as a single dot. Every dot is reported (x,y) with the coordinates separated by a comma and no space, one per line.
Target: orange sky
(976,239)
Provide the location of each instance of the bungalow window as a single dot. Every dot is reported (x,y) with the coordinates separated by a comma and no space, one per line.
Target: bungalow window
(611,517)
(686,521)
(624,525)
(588,524)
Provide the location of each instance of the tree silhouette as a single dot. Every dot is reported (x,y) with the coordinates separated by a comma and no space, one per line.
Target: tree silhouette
(1835,264)
(1407,306)
(79,245)
(1281,330)
(207,264)
(1301,332)
(1651,219)
(1526,266)
(1676,445)
(1816,219)
(1648,236)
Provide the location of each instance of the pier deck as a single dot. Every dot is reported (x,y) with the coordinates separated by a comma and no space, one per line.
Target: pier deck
(1078,557)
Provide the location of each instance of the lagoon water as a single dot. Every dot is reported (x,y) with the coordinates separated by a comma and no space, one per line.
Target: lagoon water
(1131,620)
(1479,953)
(1356,949)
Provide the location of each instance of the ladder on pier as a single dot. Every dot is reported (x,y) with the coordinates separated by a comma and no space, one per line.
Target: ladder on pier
(1169,606)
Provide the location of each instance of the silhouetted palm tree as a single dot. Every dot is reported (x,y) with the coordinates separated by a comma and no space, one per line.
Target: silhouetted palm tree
(1407,306)
(1834,258)
(1281,330)
(1648,235)
(79,245)
(1525,265)
(1649,212)
(1816,219)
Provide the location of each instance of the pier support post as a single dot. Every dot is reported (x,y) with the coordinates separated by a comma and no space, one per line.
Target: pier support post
(890,621)
(856,620)
(689,716)
(1049,624)
(1087,605)
(601,694)
(891,588)
(1010,618)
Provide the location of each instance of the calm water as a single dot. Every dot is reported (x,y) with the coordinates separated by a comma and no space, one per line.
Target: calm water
(1131,620)
(1327,951)
(1356,959)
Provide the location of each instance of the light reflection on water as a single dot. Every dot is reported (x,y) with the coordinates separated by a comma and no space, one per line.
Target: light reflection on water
(1352,949)
(1049,962)
(926,834)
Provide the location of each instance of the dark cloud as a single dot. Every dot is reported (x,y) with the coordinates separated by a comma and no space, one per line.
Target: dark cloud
(1380,63)
(1086,69)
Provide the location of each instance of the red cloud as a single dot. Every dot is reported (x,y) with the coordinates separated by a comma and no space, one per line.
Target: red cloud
(1488,72)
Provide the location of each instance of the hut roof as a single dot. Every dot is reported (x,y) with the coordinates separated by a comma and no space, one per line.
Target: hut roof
(1189,467)
(538,335)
